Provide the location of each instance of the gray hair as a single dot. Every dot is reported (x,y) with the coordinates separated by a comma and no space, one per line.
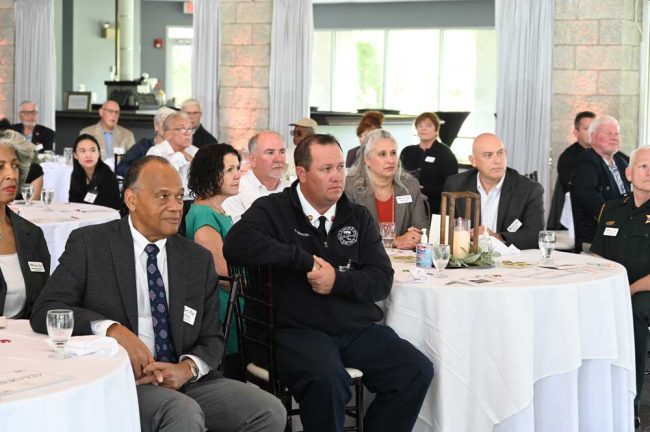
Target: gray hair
(601,121)
(25,102)
(189,102)
(252,143)
(360,172)
(635,152)
(171,117)
(162,114)
(24,152)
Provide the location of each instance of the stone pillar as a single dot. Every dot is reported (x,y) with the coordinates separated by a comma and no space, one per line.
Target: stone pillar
(245,59)
(595,67)
(7,55)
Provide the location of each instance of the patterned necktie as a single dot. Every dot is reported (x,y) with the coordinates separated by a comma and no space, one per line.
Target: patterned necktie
(164,350)
(322,232)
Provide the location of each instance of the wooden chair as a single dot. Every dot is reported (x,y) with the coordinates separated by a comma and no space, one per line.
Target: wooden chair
(256,335)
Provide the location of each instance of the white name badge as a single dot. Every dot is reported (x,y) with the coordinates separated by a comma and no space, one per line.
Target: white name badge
(36,267)
(189,315)
(515,225)
(90,197)
(611,232)
(38,147)
(429,159)
(404,199)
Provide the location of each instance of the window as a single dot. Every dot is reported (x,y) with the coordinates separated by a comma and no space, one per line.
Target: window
(179,63)
(412,71)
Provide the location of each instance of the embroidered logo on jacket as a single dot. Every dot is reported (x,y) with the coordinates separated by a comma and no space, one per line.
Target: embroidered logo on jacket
(348,235)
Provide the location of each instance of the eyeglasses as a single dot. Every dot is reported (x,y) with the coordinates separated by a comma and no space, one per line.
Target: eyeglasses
(183,130)
(33,112)
(110,111)
(193,113)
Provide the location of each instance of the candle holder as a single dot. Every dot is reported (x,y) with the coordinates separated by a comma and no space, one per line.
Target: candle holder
(466,236)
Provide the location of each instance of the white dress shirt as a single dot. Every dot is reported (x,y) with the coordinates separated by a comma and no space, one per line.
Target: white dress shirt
(250,189)
(313,215)
(489,203)
(16,294)
(145,324)
(177,159)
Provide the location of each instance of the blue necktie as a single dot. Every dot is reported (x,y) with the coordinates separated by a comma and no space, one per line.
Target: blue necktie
(164,350)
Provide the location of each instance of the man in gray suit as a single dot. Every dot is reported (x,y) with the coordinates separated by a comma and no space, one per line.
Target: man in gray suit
(512,206)
(117,277)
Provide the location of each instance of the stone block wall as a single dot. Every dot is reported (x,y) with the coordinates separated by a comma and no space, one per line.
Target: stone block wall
(7,56)
(595,67)
(244,72)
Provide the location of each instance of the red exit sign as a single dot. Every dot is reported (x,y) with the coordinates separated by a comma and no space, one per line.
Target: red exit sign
(188,7)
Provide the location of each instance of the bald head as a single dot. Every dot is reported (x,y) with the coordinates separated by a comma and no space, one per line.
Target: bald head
(109,114)
(489,158)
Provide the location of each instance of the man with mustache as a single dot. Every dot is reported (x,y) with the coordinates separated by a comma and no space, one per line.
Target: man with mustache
(268,160)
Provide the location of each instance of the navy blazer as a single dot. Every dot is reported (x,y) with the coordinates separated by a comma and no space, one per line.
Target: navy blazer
(41,134)
(592,185)
(31,247)
(521,198)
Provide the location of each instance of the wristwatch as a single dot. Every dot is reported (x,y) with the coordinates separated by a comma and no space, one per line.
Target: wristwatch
(194,368)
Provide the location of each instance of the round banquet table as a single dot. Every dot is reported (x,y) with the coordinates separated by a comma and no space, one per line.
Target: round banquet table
(98,393)
(59,223)
(56,175)
(521,349)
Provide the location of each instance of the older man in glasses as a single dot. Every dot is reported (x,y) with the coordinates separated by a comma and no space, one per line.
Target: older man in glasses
(109,134)
(177,147)
(41,136)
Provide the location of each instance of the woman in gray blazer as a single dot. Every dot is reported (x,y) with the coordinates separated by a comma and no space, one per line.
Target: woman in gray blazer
(24,257)
(390,194)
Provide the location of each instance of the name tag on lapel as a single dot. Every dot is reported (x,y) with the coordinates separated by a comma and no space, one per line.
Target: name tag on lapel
(404,199)
(610,232)
(36,267)
(514,226)
(189,315)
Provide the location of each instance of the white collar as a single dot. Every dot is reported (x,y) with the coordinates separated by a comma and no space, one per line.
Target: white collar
(497,188)
(140,241)
(311,213)
(258,184)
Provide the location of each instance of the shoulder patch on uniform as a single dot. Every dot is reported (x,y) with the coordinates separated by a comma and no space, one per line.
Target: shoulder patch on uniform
(348,235)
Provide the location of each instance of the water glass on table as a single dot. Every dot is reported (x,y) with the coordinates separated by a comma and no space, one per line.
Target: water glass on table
(440,254)
(47,196)
(387,231)
(27,191)
(67,155)
(546,245)
(60,323)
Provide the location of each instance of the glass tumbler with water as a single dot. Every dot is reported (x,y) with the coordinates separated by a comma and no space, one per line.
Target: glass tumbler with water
(47,196)
(67,155)
(546,245)
(440,254)
(27,191)
(387,231)
(60,323)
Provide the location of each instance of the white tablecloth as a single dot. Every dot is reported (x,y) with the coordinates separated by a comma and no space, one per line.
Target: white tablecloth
(100,394)
(58,224)
(56,175)
(528,355)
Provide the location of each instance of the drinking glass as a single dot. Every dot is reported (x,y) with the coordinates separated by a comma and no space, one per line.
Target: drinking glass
(546,245)
(27,191)
(440,254)
(60,323)
(67,155)
(47,196)
(49,156)
(387,231)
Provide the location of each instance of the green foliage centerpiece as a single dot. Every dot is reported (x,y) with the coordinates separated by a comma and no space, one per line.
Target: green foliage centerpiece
(482,258)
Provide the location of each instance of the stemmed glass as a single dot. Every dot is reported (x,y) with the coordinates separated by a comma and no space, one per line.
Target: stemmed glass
(47,196)
(546,245)
(440,254)
(60,323)
(27,191)
(387,231)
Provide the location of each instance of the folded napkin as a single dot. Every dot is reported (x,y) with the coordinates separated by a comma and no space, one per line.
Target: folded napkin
(501,248)
(86,345)
(418,275)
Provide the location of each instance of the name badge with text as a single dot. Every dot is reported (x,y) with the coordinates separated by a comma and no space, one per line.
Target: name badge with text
(189,315)
(36,267)
(610,232)
(38,147)
(515,225)
(429,159)
(90,197)
(404,199)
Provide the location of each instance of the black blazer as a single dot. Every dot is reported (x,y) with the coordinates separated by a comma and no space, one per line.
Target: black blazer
(592,185)
(41,134)
(30,246)
(96,279)
(104,183)
(202,137)
(521,198)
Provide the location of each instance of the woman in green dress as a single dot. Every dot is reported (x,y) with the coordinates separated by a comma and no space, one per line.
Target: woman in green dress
(213,177)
